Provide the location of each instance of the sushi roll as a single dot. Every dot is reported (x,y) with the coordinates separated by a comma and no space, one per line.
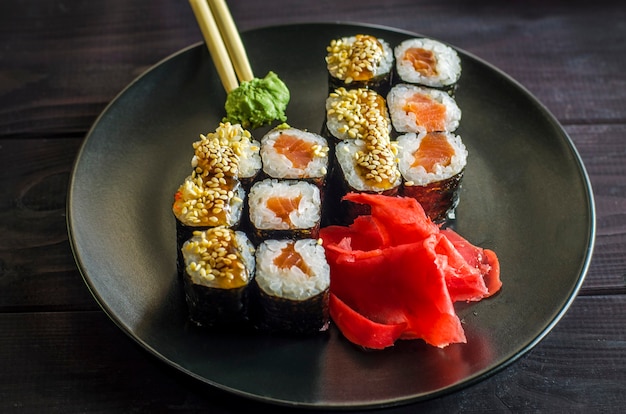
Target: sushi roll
(230,151)
(418,109)
(365,166)
(219,267)
(287,209)
(427,62)
(432,166)
(290,153)
(292,280)
(204,202)
(354,113)
(359,61)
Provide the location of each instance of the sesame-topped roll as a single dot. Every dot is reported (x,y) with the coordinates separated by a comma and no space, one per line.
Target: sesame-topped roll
(202,202)
(359,61)
(365,166)
(219,266)
(209,201)
(419,109)
(427,62)
(231,151)
(284,209)
(292,287)
(290,153)
(355,113)
(432,166)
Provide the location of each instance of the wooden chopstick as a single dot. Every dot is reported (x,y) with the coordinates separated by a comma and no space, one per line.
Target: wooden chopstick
(231,38)
(215,44)
(223,41)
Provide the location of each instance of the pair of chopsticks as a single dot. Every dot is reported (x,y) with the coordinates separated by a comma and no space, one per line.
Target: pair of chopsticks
(223,41)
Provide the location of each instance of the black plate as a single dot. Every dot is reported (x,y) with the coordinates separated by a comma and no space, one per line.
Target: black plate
(525,195)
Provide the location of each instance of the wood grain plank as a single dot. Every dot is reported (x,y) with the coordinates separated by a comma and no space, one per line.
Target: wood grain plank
(602,149)
(36,262)
(80,362)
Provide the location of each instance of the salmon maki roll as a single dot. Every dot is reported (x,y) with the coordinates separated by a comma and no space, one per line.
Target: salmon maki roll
(284,209)
(432,166)
(360,61)
(290,153)
(293,281)
(418,109)
(427,62)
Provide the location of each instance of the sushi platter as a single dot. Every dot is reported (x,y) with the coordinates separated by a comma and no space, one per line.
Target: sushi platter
(524,194)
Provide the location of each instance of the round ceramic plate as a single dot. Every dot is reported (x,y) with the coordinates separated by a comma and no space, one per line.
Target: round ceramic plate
(525,195)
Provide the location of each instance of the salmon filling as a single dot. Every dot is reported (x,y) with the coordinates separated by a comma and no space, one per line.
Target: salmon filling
(289,258)
(283,206)
(298,151)
(428,112)
(423,60)
(434,150)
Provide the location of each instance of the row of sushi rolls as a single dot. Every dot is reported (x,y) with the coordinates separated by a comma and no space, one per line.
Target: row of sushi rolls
(249,214)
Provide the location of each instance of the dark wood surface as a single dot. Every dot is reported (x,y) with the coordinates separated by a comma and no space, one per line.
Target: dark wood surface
(61,62)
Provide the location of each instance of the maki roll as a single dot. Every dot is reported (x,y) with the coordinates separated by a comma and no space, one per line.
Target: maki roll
(208,202)
(368,165)
(219,266)
(418,109)
(284,209)
(230,151)
(432,166)
(295,154)
(292,280)
(359,61)
(353,113)
(428,62)
(368,169)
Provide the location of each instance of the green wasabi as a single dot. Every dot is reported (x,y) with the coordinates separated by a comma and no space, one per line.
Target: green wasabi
(257,102)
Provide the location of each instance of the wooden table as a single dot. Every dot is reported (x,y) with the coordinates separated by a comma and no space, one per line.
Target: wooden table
(63,61)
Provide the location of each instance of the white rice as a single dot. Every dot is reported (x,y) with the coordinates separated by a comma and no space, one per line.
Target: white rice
(307,215)
(406,121)
(277,165)
(447,66)
(409,143)
(345,153)
(249,159)
(292,283)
